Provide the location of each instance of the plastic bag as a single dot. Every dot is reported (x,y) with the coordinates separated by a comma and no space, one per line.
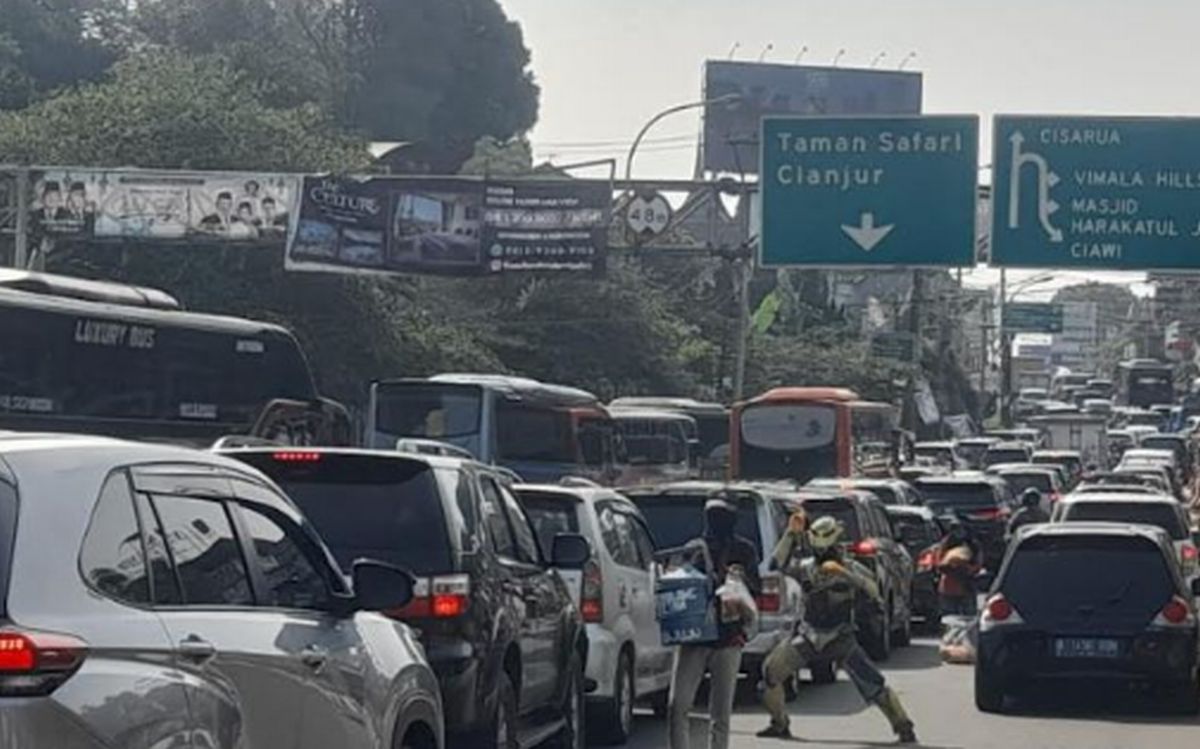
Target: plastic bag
(959,638)
(737,605)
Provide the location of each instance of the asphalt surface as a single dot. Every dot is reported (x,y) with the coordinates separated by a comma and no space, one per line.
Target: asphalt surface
(940,699)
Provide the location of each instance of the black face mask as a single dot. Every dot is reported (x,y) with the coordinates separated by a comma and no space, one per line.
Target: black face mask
(832,554)
(958,535)
(720,523)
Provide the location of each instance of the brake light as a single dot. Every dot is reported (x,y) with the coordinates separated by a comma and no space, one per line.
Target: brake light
(990,513)
(441,597)
(1175,613)
(37,663)
(297,456)
(591,598)
(927,560)
(772,594)
(999,612)
(1190,554)
(865,548)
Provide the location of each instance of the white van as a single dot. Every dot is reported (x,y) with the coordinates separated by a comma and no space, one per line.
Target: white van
(615,594)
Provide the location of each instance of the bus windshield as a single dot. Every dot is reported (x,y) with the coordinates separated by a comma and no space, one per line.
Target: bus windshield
(788,441)
(427,410)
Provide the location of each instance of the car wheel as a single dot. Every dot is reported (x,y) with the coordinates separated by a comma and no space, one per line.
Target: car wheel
(503,730)
(823,673)
(879,646)
(572,735)
(616,716)
(989,693)
(903,635)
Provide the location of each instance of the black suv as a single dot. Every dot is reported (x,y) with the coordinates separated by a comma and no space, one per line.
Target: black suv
(871,541)
(499,626)
(983,503)
(1090,602)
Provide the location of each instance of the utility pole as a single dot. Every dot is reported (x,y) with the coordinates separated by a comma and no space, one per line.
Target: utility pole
(21,241)
(744,271)
(916,310)
(1005,355)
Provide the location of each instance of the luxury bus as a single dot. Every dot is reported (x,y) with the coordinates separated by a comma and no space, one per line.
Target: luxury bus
(803,433)
(541,432)
(109,359)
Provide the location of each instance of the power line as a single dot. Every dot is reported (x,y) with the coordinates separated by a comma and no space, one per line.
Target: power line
(613,143)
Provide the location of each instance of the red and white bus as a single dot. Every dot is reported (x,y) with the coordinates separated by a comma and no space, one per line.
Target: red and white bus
(802,433)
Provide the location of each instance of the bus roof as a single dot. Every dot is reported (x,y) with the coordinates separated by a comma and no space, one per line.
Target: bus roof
(168,318)
(84,289)
(516,388)
(690,406)
(626,413)
(784,394)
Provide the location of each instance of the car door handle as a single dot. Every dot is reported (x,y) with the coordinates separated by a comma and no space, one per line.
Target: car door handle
(197,649)
(314,657)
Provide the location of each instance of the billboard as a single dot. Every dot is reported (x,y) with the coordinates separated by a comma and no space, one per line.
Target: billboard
(149,205)
(731,129)
(449,225)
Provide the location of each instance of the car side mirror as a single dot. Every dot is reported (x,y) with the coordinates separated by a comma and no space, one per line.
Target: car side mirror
(379,586)
(570,551)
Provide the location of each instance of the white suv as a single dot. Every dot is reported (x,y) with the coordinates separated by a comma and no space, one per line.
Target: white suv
(615,593)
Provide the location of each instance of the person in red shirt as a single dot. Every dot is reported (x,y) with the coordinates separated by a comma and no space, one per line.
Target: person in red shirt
(959,561)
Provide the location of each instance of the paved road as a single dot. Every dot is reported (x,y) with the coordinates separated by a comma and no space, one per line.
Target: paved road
(940,698)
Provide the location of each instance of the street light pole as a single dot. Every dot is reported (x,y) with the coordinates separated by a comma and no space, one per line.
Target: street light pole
(727,98)
(1006,340)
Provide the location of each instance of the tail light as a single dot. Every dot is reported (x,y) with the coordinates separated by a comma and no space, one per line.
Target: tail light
(990,513)
(865,548)
(772,594)
(998,611)
(441,597)
(34,664)
(296,456)
(1176,613)
(1190,557)
(927,561)
(591,599)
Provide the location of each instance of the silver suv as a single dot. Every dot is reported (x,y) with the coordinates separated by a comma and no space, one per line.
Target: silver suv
(155,597)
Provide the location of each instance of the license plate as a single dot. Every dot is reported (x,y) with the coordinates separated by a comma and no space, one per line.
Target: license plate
(1086,647)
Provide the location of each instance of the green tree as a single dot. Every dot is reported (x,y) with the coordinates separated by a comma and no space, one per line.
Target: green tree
(44,45)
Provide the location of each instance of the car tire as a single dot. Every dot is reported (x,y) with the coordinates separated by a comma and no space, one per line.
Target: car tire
(989,692)
(902,636)
(502,728)
(823,672)
(574,731)
(615,717)
(879,643)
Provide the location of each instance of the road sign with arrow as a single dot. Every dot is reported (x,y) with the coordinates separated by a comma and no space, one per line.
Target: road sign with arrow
(844,192)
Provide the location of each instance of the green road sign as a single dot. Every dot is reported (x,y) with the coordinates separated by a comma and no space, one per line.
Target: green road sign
(1090,192)
(1032,317)
(896,191)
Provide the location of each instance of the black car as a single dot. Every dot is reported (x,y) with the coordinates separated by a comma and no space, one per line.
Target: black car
(498,624)
(890,491)
(1089,602)
(871,541)
(920,531)
(983,503)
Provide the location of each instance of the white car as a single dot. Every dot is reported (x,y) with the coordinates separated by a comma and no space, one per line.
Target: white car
(615,594)
(1159,510)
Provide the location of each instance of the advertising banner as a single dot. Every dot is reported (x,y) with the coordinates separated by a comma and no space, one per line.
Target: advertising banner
(149,205)
(731,125)
(449,226)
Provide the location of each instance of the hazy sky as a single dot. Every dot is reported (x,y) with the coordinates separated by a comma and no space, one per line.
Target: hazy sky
(606,66)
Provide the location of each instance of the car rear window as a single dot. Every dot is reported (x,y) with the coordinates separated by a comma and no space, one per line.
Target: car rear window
(995,457)
(1064,574)
(674,520)
(886,494)
(551,514)
(8,529)
(1022,481)
(913,531)
(838,509)
(958,494)
(363,506)
(1146,513)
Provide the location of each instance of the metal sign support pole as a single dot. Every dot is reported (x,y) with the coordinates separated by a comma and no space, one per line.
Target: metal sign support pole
(744,272)
(21,243)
